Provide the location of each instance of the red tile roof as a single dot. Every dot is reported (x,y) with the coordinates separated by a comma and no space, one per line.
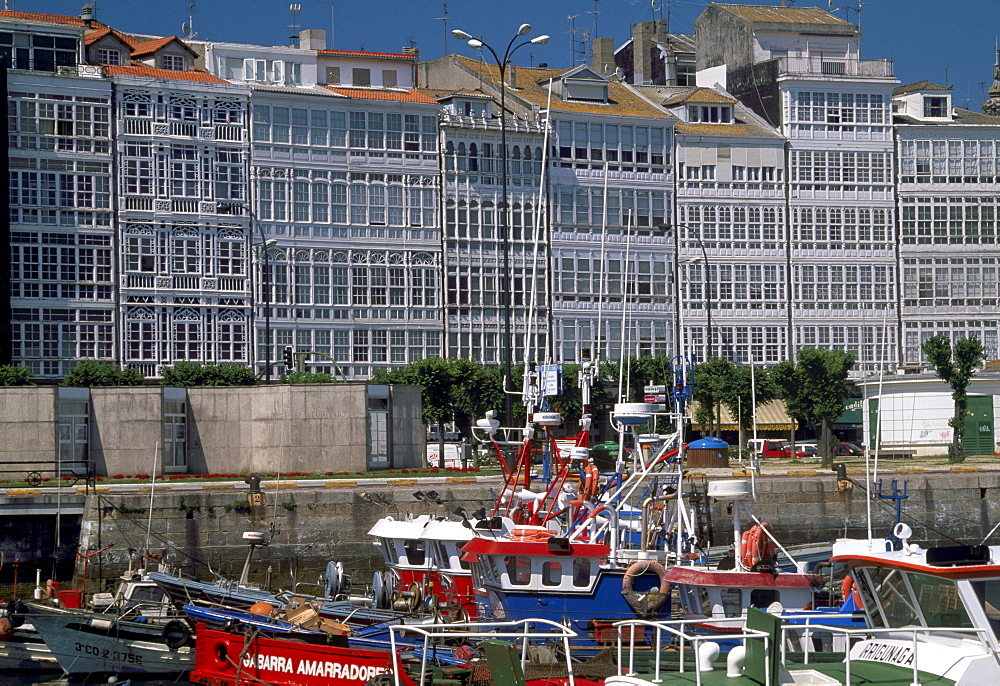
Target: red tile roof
(358,53)
(155,73)
(151,46)
(366,94)
(94,36)
(47,18)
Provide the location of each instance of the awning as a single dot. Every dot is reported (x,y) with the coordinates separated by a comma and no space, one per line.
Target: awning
(770,417)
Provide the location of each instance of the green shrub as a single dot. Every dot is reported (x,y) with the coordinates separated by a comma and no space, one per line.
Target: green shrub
(15,375)
(194,374)
(90,373)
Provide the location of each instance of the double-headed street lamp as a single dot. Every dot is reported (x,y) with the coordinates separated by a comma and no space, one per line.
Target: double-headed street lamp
(502,63)
(263,244)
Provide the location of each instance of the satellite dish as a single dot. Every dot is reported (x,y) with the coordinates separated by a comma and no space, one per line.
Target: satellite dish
(186,29)
(619,73)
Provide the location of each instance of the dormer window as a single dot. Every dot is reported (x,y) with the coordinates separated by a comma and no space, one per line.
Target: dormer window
(710,114)
(172,62)
(935,107)
(109,57)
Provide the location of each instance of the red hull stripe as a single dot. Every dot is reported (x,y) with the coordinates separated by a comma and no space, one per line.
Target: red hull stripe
(970,572)
(702,577)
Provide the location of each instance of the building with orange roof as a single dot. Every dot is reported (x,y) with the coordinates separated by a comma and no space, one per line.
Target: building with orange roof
(606,177)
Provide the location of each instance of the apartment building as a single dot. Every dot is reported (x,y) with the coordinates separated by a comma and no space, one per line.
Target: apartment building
(799,68)
(949,163)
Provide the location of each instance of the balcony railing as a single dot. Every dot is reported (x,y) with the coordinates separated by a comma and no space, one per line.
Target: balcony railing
(830,65)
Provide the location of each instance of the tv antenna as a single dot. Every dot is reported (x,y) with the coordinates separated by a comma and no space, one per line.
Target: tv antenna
(332,23)
(444,18)
(573,32)
(295,9)
(187,28)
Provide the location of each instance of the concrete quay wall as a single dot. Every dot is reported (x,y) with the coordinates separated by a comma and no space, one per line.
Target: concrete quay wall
(315,526)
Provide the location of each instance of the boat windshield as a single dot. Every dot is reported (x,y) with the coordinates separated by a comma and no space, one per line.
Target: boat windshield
(895,599)
(988,592)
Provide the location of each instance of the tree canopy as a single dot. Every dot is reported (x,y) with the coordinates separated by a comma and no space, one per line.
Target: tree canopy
(814,388)
(91,373)
(955,365)
(194,374)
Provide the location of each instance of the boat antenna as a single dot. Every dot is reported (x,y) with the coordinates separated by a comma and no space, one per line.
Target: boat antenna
(152,491)
(992,531)
(604,274)
(881,377)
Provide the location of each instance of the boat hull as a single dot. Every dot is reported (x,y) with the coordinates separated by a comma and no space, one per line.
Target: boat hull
(88,643)
(26,652)
(227,659)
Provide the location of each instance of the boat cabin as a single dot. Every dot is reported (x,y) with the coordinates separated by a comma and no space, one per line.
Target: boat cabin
(718,594)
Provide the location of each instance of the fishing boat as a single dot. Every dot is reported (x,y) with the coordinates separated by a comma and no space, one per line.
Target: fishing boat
(21,648)
(94,643)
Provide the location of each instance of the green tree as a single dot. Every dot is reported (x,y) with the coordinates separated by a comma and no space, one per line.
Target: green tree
(742,392)
(309,377)
(194,374)
(955,365)
(814,389)
(711,386)
(15,375)
(92,373)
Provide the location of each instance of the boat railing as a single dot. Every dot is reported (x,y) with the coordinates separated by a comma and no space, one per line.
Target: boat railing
(524,631)
(853,634)
(667,632)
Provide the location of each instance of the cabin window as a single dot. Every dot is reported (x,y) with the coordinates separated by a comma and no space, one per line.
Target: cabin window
(988,593)
(938,601)
(149,595)
(705,601)
(732,602)
(463,563)
(581,572)
(552,573)
(762,597)
(416,552)
(388,550)
(518,569)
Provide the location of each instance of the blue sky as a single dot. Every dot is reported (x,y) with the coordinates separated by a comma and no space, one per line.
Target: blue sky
(943,41)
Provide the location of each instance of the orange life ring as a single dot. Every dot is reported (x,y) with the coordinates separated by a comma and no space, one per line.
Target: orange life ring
(847,588)
(589,483)
(756,545)
(531,535)
(637,569)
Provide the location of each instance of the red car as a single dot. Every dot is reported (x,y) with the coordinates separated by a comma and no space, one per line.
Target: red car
(778,449)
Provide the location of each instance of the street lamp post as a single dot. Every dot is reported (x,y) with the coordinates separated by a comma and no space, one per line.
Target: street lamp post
(502,64)
(708,300)
(266,284)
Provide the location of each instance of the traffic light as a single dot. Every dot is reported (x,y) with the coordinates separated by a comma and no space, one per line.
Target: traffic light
(289,362)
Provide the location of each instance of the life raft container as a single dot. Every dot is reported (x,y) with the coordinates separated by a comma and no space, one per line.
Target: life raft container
(645,604)
(756,545)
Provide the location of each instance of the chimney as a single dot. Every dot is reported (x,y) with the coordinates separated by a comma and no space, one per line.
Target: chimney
(604,55)
(512,76)
(312,39)
(642,44)
(410,50)
(87,15)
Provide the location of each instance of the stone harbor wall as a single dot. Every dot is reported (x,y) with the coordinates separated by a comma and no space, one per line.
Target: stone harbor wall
(202,531)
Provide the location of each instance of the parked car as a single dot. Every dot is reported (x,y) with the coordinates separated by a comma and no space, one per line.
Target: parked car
(849,450)
(779,449)
(805,449)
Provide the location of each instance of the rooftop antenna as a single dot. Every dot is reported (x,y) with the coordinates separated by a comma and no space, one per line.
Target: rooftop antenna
(593,34)
(187,28)
(295,9)
(572,37)
(444,18)
(332,23)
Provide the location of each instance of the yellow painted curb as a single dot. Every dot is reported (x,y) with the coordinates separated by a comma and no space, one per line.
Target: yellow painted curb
(910,470)
(402,482)
(965,469)
(24,491)
(696,475)
(218,487)
(282,484)
(460,480)
(856,472)
(742,473)
(82,490)
(340,482)
(147,489)
(804,472)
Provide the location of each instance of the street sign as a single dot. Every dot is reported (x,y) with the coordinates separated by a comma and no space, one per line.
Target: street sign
(653,390)
(655,398)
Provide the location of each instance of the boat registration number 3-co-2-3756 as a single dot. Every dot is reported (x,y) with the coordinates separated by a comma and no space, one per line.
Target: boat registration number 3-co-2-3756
(106,654)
